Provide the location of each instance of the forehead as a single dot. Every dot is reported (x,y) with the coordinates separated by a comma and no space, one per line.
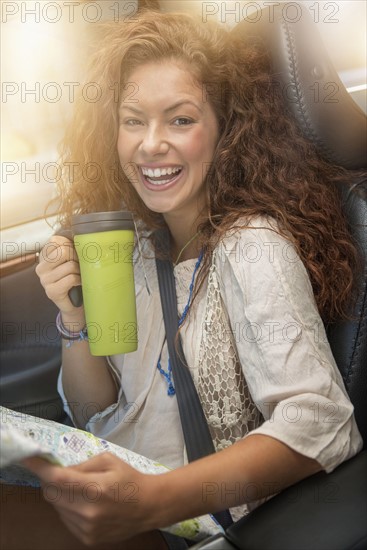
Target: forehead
(159,82)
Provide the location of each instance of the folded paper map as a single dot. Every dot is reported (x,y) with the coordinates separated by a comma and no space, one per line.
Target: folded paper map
(22,436)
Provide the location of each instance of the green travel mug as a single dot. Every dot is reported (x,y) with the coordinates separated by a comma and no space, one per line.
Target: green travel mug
(104,242)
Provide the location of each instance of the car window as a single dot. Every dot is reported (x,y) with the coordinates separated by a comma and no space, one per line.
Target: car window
(43,55)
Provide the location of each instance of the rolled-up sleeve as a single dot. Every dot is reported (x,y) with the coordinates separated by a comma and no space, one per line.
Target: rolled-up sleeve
(68,407)
(282,346)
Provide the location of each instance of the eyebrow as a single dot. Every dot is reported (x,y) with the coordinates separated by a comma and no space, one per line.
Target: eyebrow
(167,110)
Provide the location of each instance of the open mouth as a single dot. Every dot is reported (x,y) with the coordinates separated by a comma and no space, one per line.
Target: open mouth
(161,176)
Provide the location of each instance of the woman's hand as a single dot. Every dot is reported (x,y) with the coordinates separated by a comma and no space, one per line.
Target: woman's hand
(103,500)
(59,271)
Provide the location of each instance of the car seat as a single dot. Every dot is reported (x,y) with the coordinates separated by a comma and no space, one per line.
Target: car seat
(324,511)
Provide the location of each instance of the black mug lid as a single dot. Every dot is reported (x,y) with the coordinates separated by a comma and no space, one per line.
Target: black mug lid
(96,222)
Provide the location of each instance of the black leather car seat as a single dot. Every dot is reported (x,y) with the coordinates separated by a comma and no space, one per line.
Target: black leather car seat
(325,511)
(338,127)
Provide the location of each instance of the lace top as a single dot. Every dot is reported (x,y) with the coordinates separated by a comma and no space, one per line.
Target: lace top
(228,407)
(256,348)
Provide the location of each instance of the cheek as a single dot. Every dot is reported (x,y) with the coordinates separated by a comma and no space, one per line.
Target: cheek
(200,147)
(124,154)
(121,149)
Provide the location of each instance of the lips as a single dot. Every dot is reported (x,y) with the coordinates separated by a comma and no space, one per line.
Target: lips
(159,178)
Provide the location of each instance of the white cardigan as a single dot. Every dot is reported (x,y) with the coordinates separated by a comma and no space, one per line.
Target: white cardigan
(281,345)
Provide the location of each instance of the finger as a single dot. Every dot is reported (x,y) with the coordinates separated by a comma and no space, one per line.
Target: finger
(52,474)
(58,280)
(59,292)
(50,272)
(44,469)
(54,274)
(81,519)
(91,530)
(55,255)
(102,462)
(71,522)
(57,251)
(62,285)
(70,480)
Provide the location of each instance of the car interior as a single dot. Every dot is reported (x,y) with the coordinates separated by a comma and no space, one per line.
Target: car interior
(324,511)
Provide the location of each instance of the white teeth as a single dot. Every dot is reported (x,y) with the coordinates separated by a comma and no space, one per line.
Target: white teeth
(162,182)
(157,172)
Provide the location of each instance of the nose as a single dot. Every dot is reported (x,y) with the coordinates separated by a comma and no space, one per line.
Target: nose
(154,141)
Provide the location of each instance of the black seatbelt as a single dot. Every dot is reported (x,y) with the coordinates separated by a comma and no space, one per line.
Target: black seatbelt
(195,429)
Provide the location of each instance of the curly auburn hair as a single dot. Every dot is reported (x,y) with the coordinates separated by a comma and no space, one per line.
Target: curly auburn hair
(262,165)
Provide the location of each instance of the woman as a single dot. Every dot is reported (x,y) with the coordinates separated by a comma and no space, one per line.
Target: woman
(204,151)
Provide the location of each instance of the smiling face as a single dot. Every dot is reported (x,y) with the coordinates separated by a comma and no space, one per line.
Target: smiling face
(167,138)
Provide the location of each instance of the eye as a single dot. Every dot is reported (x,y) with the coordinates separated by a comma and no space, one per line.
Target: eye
(183,121)
(131,122)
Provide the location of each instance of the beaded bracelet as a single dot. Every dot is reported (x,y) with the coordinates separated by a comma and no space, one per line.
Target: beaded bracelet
(67,334)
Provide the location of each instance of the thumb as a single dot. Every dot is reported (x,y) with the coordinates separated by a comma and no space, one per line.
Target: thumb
(98,463)
(41,467)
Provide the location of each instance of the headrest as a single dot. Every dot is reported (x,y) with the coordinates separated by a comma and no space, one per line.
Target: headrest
(312,89)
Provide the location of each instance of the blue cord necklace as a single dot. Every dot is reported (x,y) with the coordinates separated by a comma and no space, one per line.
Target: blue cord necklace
(167,375)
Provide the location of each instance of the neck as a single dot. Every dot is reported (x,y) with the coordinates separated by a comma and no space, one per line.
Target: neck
(188,250)
(184,240)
